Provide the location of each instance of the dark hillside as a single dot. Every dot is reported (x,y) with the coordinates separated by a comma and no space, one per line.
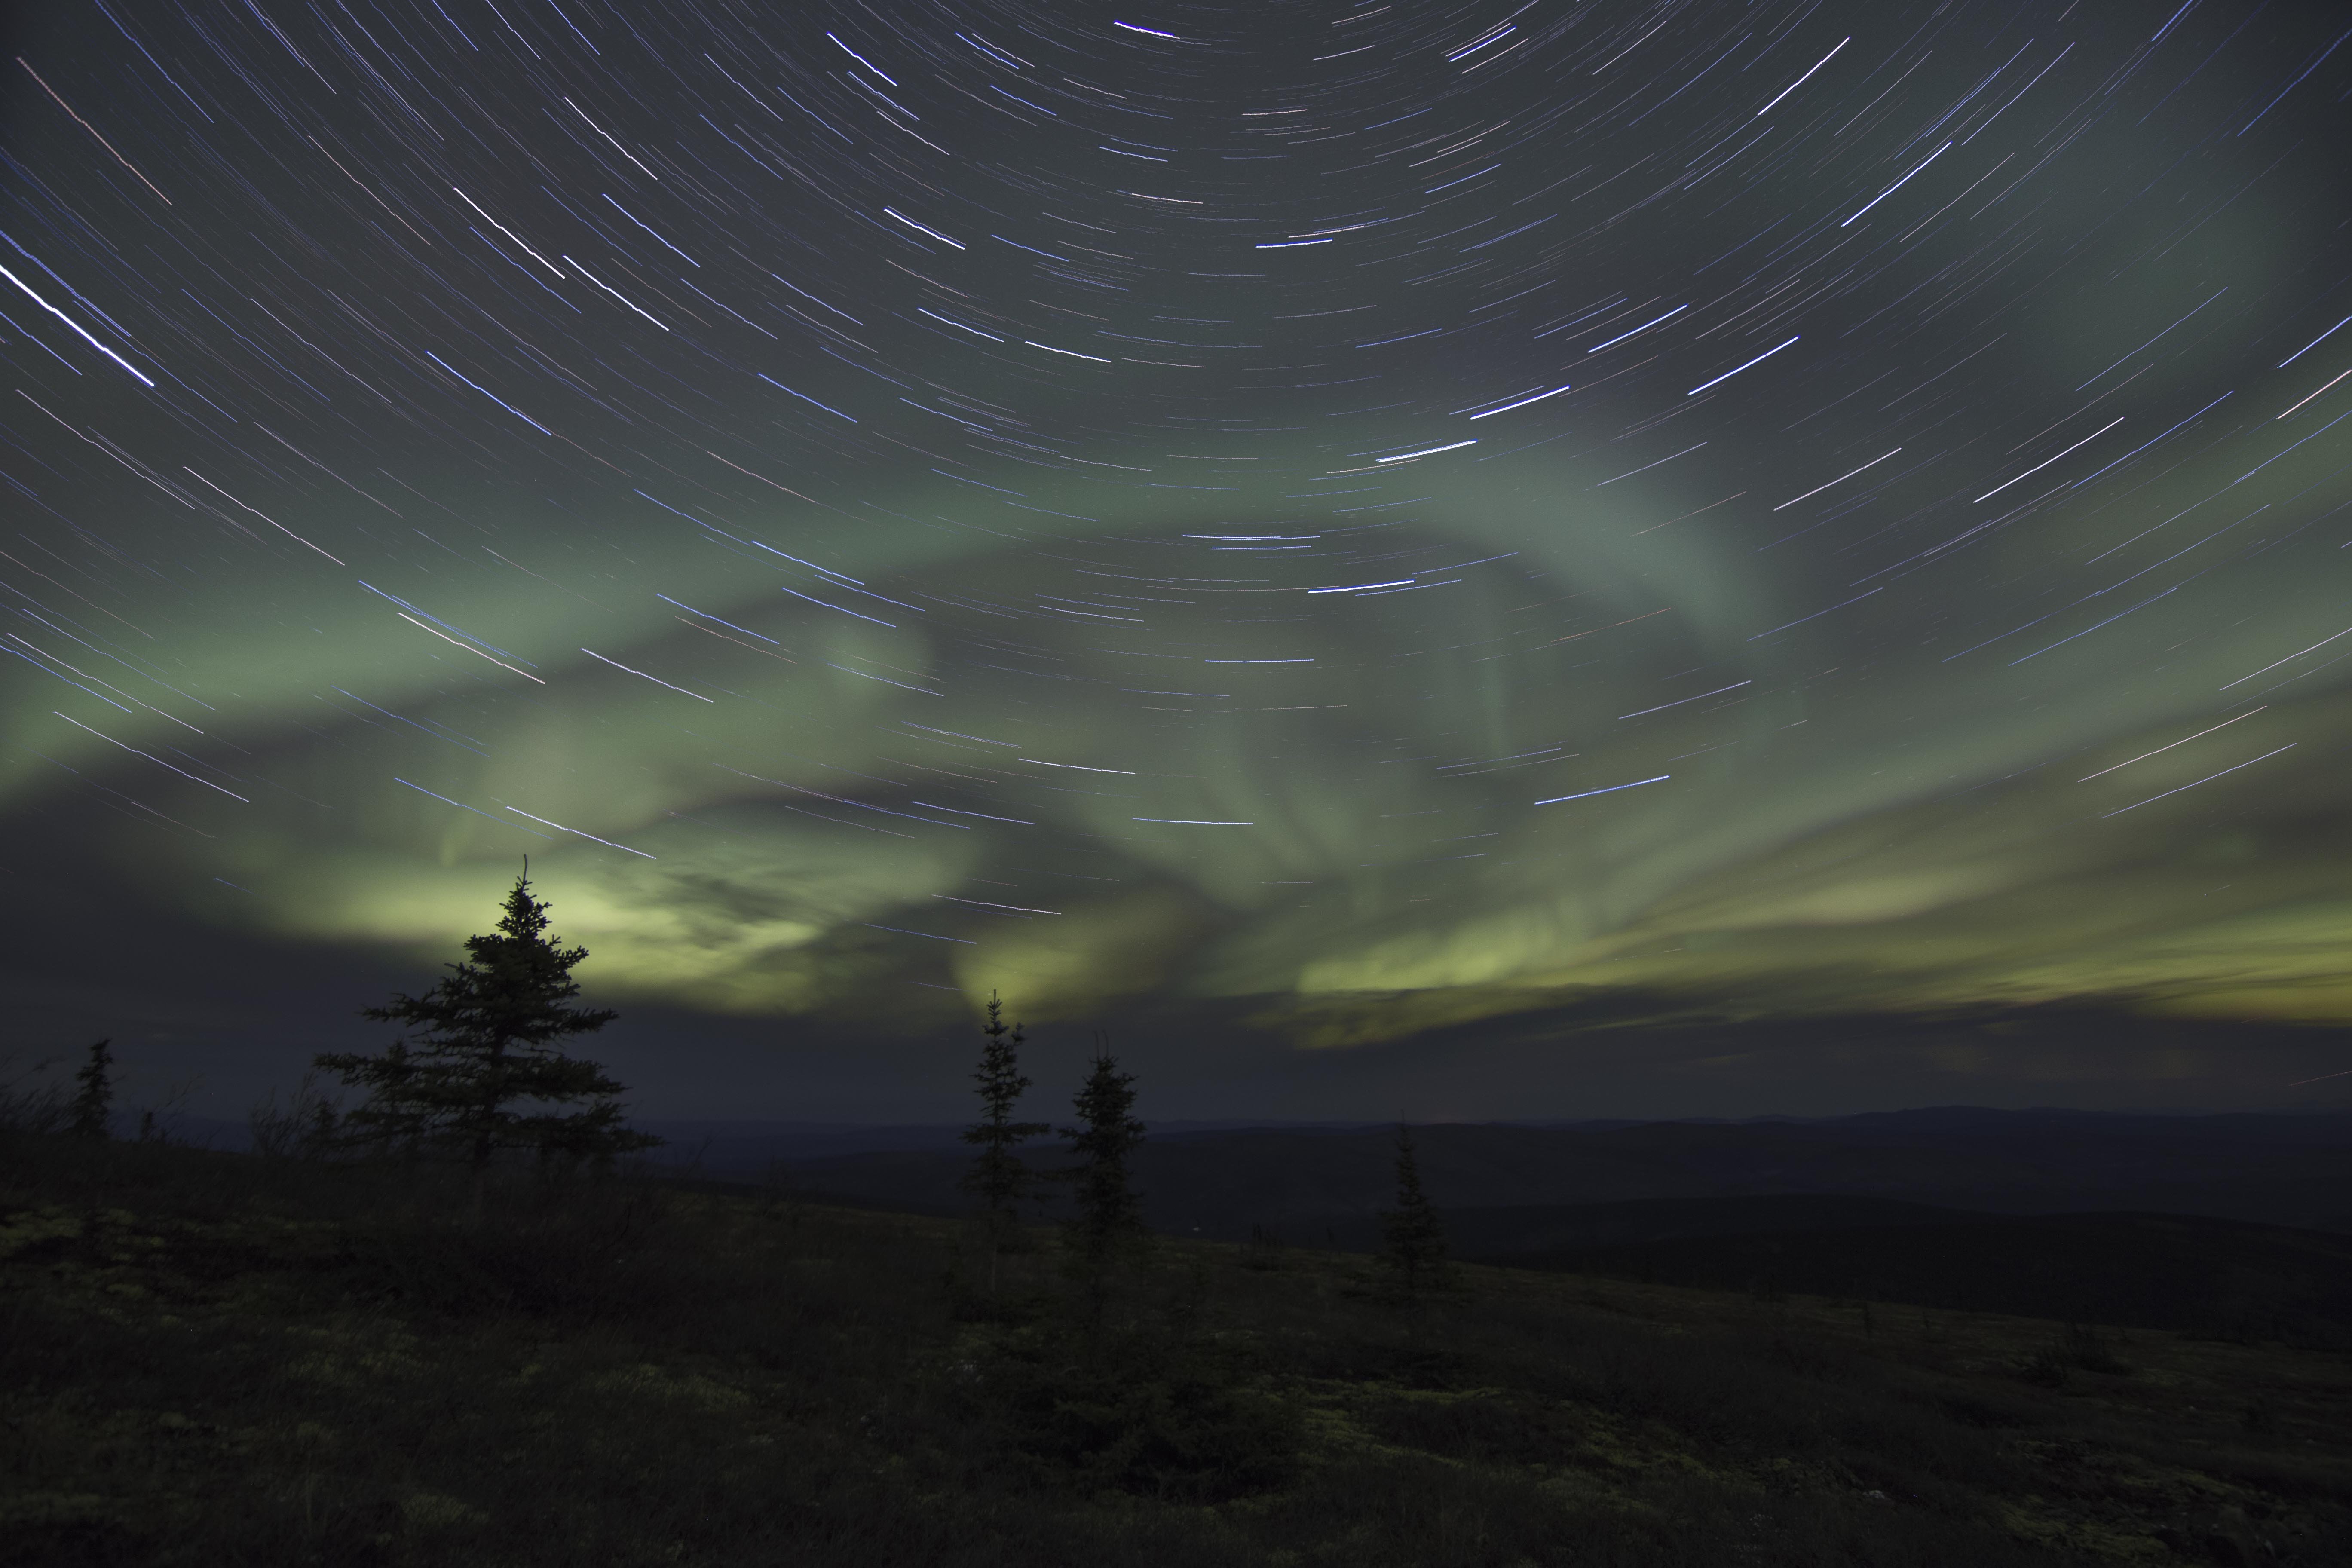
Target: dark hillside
(1532,1228)
(218,1359)
(2221,1279)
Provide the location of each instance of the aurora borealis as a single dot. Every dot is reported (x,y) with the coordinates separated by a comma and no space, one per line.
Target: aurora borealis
(1362,519)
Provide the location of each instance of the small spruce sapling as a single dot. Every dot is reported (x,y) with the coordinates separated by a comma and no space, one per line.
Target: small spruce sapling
(998,1177)
(489,1039)
(94,1100)
(1108,1218)
(1413,1242)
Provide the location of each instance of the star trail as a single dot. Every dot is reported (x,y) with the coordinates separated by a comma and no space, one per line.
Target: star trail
(1773,509)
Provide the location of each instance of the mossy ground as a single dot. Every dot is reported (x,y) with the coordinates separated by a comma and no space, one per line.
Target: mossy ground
(220,1360)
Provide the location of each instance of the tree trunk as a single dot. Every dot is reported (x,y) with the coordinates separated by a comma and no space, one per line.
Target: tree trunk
(485,1142)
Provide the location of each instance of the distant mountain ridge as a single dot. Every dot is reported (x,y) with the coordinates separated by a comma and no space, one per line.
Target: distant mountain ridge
(2232,1224)
(2176,1223)
(1322,1182)
(2281,1169)
(736,1146)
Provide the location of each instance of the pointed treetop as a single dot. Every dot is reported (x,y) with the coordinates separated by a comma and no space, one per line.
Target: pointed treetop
(526,916)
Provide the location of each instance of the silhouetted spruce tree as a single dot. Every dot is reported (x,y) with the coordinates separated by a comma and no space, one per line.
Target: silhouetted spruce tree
(998,1177)
(488,1042)
(95,1099)
(1108,1218)
(1413,1242)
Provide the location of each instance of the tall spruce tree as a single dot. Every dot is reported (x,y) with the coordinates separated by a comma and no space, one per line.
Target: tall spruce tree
(94,1100)
(484,1070)
(1108,1218)
(1413,1242)
(998,1177)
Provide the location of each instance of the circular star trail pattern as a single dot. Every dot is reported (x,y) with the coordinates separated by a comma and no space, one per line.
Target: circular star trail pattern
(1392,513)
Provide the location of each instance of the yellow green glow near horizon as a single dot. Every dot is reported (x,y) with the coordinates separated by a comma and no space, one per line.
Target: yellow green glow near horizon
(1822,851)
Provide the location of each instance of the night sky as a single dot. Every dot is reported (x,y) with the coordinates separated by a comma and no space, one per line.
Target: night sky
(1444,551)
